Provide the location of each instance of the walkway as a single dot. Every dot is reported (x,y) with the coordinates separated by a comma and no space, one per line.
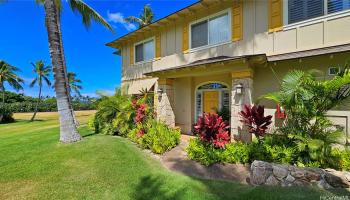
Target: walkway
(176,160)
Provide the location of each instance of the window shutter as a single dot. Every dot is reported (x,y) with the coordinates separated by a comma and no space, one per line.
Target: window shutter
(131,54)
(158,47)
(237,20)
(275,15)
(185,38)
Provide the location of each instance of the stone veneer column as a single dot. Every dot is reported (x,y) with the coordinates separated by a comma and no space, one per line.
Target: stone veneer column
(165,102)
(245,78)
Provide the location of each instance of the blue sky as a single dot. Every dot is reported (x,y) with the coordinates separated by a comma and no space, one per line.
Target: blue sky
(23,39)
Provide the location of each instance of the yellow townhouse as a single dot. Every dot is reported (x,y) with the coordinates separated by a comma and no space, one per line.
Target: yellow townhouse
(219,55)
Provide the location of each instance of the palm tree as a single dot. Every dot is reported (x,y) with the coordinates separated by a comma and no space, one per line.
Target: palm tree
(42,73)
(74,83)
(146,17)
(68,129)
(8,74)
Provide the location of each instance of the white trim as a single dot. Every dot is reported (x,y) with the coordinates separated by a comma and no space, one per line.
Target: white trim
(201,91)
(329,70)
(207,18)
(142,42)
(325,17)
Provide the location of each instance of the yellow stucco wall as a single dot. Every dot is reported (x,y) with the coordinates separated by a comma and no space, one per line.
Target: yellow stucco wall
(265,81)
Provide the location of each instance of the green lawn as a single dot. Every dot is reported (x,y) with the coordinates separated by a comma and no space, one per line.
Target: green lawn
(34,165)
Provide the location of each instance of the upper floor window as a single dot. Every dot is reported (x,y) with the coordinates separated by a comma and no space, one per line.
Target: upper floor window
(144,50)
(211,30)
(300,10)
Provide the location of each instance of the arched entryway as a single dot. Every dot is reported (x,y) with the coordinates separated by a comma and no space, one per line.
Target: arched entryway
(211,97)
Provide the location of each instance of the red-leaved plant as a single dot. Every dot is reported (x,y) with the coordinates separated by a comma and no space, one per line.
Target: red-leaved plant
(212,129)
(254,118)
(140,113)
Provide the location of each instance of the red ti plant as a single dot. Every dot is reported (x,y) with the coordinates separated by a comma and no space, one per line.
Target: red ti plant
(212,129)
(253,117)
(141,111)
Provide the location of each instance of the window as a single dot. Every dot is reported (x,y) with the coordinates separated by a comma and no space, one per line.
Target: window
(300,10)
(144,51)
(212,30)
(333,71)
(338,5)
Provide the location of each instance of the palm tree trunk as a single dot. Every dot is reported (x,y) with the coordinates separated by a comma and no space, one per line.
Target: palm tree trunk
(37,103)
(3,101)
(76,122)
(68,129)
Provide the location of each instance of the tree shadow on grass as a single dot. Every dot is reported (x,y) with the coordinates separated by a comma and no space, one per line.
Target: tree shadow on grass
(163,187)
(155,187)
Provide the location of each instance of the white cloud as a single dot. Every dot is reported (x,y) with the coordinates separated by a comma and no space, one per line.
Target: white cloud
(118,18)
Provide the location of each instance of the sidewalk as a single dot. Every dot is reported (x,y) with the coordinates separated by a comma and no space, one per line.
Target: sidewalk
(177,160)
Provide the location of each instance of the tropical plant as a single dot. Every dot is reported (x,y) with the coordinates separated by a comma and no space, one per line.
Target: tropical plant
(256,121)
(225,113)
(74,83)
(68,129)
(158,137)
(8,75)
(42,72)
(204,153)
(114,114)
(212,129)
(306,101)
(146,17)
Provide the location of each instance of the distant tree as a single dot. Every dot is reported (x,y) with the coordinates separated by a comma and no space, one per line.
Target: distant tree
(8,74)
(74,83)
(42,74)
(146,17)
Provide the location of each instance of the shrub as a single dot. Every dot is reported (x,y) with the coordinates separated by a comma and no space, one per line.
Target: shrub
(158,137)
(134,134)
(254,118)
(204,153)
(345,159)
(306,101)
(237,152)
(6,114)
(114,115)
(212,129)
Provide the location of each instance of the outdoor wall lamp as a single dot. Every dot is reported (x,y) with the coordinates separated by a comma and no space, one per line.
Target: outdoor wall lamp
(160,91)
(239,88)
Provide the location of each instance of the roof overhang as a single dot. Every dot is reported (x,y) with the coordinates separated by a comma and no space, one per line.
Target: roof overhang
(214,65)
(309,53)
(169,19)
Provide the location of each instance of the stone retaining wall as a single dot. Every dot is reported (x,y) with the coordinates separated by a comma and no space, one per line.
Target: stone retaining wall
(264,173)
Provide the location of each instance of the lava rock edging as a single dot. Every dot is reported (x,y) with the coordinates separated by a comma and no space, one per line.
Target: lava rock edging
(265,173)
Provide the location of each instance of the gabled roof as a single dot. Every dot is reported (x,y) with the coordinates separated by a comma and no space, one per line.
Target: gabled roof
(163,21)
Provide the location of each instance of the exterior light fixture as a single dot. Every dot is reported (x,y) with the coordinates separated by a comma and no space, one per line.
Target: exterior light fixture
(239,88)
(160,91)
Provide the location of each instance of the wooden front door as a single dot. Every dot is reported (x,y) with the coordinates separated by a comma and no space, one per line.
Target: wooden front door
(210,101)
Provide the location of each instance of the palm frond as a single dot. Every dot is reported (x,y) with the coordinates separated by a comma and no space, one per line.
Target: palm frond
(88,14)
(33,82)
(132,19)
(48,82)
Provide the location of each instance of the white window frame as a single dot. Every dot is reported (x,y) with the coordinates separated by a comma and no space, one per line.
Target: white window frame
(207,18)
(333,67)
(220,90)
(141,42)
(315,20)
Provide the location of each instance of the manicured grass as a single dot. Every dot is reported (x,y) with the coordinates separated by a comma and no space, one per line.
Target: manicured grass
(33,165)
